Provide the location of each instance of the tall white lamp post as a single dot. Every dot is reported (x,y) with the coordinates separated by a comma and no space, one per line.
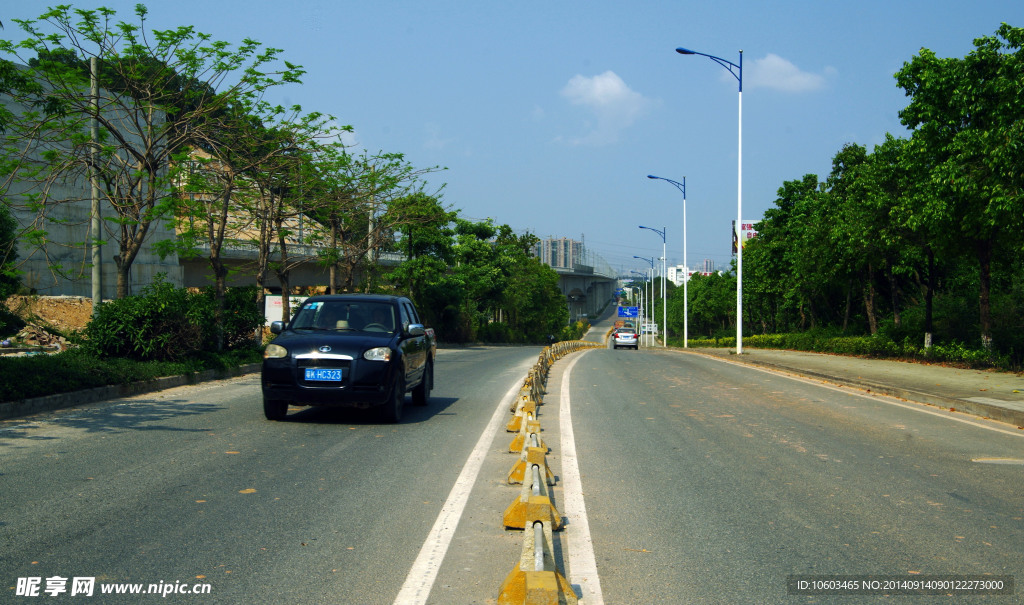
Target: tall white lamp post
(686,265)
(664,286)
(737,72)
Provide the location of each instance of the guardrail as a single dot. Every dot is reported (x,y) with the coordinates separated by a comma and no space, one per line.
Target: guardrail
(535,579)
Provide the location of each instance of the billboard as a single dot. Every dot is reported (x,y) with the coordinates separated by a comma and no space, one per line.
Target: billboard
(273,309)
(747,231)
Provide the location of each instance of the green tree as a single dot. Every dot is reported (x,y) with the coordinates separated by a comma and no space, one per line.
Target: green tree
(354,205)
(712,303)
(159,86)
(967,116)
(425,229)
(789,261)
(9,280)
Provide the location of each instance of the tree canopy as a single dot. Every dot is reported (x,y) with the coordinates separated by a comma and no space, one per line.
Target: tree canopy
(915,238)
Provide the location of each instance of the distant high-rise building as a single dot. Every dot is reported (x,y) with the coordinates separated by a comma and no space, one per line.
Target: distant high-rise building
(708,266)
(560,252)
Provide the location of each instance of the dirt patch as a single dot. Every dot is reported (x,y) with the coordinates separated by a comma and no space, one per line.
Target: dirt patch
(66,313)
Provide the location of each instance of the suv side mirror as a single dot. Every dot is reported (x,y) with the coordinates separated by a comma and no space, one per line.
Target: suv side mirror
(276,327)
(415,330)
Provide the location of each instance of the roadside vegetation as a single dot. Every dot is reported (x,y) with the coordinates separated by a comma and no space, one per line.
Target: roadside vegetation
(908,249)
(185,139)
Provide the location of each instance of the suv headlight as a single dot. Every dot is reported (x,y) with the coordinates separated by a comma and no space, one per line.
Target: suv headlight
(378,354)
(275,352)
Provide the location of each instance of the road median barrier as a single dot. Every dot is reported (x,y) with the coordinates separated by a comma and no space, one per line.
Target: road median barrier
(522,438)
(535,579)
(524,407)
(535,492)
(530,456)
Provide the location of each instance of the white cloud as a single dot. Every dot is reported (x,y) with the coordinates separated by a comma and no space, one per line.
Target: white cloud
(611,102)
(779,74)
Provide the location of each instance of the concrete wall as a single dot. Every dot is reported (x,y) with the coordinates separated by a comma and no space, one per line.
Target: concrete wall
(62,264)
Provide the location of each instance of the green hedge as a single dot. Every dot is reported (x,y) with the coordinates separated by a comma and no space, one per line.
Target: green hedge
(871,346)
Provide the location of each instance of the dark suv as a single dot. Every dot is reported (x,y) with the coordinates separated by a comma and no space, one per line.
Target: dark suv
(354,350)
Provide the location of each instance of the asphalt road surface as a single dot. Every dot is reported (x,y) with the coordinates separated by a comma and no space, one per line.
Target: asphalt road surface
(712,482)
(702,482)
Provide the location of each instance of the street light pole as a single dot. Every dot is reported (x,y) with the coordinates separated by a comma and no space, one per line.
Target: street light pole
(664,285)
(686,266)
(737,71)
(650,299)
(640,298)
(640,315)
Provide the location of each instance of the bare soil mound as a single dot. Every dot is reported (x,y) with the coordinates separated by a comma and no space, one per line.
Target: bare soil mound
(66,313)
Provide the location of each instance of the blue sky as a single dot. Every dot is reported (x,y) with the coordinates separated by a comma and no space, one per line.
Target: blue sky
(549,115)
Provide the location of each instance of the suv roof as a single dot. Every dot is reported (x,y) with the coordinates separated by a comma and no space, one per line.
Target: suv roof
(356,296)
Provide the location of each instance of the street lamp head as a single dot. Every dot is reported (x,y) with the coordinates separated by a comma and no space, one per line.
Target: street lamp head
(685,51)
(651,176)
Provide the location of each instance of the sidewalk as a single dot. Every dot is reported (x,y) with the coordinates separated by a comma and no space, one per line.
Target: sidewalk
(990,394)
(48,403)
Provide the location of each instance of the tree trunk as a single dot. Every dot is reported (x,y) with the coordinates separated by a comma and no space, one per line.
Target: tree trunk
(334,266)
(929,290)
(849,304)
(124,261)
(895,296)
(869,301)
(220,271)
(123,272)
(283,273)
(985,266)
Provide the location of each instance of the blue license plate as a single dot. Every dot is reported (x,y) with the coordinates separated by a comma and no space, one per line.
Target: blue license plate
(323,374)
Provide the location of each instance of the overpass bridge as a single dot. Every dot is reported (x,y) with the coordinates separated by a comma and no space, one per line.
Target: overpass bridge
(587,288)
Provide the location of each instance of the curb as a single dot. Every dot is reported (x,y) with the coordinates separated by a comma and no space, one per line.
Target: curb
(975,408)
(47,403)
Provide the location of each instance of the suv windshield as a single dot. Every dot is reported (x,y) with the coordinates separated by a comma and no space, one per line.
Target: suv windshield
(345,316)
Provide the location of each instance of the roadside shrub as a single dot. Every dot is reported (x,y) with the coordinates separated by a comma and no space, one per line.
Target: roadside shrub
(575,330)
(494,332)
(159,324)
(169,324)
(240,320)
(242,317)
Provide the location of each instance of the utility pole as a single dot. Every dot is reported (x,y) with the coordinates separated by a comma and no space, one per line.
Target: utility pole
(97,257)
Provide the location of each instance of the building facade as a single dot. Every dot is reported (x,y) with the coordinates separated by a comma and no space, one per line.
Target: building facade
(561,252)
(54,213)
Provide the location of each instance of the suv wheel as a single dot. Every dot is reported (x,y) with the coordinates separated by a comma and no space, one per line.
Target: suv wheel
(275,409)
(421,394)
(392,410)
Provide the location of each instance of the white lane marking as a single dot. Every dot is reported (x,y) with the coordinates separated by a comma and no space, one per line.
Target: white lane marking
(424,570)
(582,564)
(887,399)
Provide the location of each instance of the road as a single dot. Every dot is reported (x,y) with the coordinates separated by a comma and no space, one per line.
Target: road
(712,482)
(703,482)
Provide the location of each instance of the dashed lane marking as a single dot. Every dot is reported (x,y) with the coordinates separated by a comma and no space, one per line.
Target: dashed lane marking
(420,580)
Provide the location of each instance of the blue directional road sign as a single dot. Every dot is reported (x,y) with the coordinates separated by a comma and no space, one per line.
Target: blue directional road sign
(629,311)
